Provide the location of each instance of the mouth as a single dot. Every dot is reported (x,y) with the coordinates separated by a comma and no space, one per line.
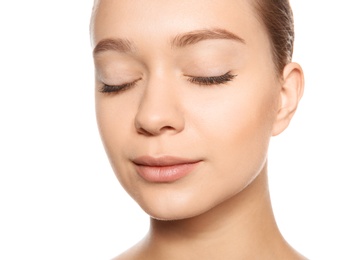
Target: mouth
(164,169)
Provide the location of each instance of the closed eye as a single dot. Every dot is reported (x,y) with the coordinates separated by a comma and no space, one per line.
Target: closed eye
(117,88)
(213,80)
(202,81)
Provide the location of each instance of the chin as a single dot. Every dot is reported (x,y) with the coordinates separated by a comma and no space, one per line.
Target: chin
(172,211)
(166,215)
(171,217)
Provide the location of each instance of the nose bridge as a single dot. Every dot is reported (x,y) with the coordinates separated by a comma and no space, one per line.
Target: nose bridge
(159,109)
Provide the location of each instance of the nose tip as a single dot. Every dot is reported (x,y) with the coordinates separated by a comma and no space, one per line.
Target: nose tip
(159,113)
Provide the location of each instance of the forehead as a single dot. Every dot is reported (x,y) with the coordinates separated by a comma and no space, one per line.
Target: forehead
(156,19)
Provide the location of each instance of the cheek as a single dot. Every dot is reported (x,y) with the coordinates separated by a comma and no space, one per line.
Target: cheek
(237,130)
(115,121)
(238,117)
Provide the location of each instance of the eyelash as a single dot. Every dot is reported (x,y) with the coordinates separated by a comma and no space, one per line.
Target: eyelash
(117,88)
(214,80)
(202,81)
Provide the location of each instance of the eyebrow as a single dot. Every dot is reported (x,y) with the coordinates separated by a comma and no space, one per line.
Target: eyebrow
(119,45)
(194,37)
(179,41)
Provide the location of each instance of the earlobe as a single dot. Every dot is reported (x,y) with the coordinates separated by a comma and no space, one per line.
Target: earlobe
(290,94)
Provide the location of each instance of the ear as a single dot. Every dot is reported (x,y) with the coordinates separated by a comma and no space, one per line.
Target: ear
(291,91)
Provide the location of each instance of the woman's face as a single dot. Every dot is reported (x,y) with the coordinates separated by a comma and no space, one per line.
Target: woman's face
(190,101)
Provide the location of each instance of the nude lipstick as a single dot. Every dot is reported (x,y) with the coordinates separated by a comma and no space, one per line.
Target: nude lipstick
(164,169)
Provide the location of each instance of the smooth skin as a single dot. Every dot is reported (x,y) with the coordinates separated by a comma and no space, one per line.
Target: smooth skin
(222,209)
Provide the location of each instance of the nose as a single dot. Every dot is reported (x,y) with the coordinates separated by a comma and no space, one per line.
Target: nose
(159,111)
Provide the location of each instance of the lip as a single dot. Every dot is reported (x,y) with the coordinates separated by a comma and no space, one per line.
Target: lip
(164,169)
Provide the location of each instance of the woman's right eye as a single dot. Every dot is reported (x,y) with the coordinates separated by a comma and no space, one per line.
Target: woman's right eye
(117,88)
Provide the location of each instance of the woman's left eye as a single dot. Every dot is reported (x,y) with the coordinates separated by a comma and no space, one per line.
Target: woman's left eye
(213,80)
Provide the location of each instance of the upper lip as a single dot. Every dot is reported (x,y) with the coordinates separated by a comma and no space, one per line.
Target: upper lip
(162,161)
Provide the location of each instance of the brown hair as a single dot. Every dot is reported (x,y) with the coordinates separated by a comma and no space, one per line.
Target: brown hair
(277,18)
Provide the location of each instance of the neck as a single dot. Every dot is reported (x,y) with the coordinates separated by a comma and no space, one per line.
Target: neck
(243,227)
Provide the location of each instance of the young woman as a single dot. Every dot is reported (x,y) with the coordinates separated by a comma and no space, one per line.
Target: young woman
(188,95)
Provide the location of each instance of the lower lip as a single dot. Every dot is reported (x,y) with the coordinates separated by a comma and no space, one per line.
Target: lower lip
(169,173)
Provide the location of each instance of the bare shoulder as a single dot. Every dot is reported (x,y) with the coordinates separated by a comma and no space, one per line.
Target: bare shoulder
(128,255)
(136,252)
(294,255)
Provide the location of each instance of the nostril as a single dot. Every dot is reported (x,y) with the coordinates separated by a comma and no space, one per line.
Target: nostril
(166,128)
(142,131)
(154,131)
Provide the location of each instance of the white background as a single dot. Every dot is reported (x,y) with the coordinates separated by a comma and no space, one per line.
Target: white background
(59,198)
